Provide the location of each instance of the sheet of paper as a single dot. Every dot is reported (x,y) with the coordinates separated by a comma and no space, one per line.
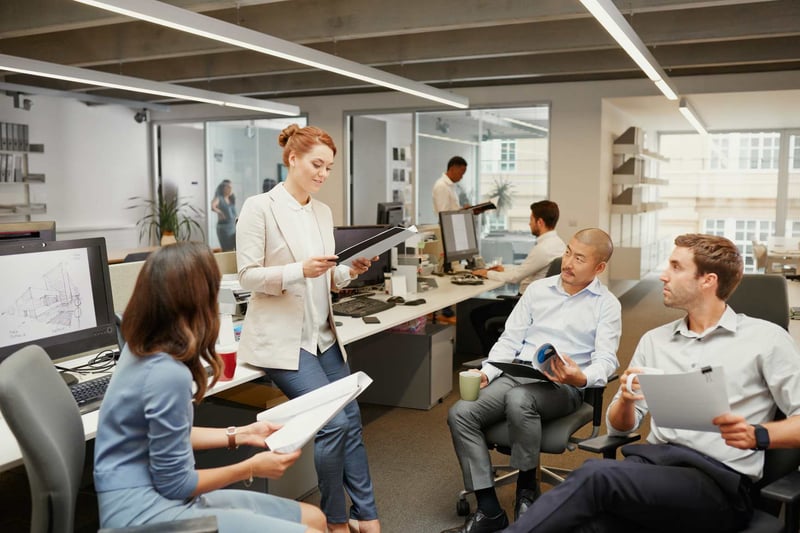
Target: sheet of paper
(686,401)
(305,415)
(376,245)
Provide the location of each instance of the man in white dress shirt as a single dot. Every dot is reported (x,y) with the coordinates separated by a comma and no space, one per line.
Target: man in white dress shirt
(445,194)
(544,217)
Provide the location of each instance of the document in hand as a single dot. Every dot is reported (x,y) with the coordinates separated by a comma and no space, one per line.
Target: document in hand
(376,245)
(303,416)
(686,401)
(525,369)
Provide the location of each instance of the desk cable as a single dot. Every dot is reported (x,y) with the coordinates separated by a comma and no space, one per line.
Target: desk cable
(101,363)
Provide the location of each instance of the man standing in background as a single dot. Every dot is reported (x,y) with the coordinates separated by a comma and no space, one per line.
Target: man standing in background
(445,194)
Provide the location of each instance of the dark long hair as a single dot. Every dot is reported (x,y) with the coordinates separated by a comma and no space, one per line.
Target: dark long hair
(174,309)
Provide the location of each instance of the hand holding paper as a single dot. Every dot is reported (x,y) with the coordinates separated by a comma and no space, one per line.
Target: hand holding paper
(303,416)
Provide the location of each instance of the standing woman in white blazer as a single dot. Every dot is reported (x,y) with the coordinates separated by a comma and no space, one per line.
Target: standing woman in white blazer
(285,253)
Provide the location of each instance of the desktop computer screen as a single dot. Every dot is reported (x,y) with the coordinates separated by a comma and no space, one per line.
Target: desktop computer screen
(346,236)
(390,213)
(57,295)
(459,236)
(36,230)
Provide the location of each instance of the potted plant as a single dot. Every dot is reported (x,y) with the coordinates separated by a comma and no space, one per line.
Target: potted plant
(167,216)
(503,192)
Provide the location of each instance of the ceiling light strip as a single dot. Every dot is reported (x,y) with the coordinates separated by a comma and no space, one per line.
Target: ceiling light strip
(218,30)
(82,97)
(448,139)
(115,81)
(615,24)
(692,117)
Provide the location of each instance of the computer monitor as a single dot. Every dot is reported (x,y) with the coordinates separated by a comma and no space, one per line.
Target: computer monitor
(390,213)
(57,295)
(346,236)
(44,230)
(459,236)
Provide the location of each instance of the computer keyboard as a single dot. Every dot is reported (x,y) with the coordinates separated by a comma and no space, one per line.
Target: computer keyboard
(361,307)
(88,394)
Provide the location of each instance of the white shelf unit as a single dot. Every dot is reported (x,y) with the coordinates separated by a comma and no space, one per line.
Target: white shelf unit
(635,203)
(17,200)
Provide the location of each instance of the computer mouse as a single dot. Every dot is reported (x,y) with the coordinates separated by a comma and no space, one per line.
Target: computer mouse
(418,301)
(396,299)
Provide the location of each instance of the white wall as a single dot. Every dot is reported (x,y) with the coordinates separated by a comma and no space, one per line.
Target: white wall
(96,157)
(370,165)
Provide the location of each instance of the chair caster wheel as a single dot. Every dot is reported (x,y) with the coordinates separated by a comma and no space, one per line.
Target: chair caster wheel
(462,507)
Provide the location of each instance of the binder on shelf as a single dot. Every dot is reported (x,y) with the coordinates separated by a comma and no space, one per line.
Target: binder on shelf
(3,136)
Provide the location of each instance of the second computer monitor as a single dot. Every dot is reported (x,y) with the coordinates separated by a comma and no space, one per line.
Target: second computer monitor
(390,213)
(459,236)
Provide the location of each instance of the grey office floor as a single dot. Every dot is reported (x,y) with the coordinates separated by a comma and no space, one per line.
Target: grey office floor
(414,468)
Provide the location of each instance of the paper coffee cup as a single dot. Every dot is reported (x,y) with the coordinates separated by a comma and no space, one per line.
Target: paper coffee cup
(469,384)
(227,352)
(642,370)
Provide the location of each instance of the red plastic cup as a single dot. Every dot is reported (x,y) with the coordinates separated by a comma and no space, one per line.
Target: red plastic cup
(228,355)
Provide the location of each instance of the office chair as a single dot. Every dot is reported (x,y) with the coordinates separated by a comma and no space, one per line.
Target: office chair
(44,418)
(760,296)
(489,320)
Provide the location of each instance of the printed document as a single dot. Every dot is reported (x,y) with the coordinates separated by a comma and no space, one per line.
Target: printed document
(305,415)
(686,401)
(376,245)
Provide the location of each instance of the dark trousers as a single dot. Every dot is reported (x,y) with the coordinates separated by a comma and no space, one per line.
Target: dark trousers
(667,489)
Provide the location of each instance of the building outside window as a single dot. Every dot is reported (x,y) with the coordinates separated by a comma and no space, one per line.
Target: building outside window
(508,156)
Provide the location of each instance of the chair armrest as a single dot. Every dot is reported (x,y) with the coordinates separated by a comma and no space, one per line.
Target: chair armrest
(203,524)
(785,489)
(607,444)
(508,297)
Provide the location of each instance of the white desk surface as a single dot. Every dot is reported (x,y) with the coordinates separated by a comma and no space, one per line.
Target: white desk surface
(352,329)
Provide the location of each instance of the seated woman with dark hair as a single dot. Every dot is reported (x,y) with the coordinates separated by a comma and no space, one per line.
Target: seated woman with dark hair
(144,466)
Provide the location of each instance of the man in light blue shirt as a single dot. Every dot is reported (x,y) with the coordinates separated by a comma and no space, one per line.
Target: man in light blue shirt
(578,315)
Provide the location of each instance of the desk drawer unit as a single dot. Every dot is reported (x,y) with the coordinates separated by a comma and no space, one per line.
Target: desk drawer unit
(408,370)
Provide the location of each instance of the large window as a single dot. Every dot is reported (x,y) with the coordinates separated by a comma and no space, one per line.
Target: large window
(729,184)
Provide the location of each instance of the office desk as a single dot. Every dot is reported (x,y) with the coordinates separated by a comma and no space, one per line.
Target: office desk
(779,256)
(352,329)
(446,294)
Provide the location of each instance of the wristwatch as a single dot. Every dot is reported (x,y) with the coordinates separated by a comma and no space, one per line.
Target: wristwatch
(762,437)
(231,433)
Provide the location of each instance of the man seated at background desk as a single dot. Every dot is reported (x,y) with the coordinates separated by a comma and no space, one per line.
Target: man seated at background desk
(684,479)
(544,217)
(582,319)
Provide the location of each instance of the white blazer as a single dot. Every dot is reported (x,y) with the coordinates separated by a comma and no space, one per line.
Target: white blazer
(265,243)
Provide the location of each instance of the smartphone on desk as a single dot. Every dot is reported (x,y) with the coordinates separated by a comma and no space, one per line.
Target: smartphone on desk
(370,320)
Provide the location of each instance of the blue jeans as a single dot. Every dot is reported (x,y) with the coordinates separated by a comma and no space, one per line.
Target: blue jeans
(339,454)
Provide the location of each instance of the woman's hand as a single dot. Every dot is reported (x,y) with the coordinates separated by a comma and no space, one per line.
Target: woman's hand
(255,433)
(361,265)
(313,267)
(272,465)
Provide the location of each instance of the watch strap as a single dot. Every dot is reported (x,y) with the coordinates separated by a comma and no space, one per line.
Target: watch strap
(231,433)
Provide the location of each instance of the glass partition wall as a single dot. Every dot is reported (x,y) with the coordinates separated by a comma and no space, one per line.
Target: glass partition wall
(399,156)
(197,159)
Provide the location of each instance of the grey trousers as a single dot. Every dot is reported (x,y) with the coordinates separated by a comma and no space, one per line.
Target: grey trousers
(524,403)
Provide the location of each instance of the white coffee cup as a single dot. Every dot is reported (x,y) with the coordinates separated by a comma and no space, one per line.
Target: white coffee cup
(641,370)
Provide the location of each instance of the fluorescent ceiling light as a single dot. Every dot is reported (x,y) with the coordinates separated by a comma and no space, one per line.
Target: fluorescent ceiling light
(218,30)
(448,139)
(526,124)
(615,24)
(82,97)
(128,83)
(691,115)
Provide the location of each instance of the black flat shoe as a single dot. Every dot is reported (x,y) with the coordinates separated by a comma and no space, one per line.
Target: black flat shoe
(480,523)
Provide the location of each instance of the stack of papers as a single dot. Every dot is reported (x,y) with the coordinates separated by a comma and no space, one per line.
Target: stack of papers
(305,415)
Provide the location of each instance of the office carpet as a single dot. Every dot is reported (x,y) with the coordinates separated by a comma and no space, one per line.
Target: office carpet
(414,468)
